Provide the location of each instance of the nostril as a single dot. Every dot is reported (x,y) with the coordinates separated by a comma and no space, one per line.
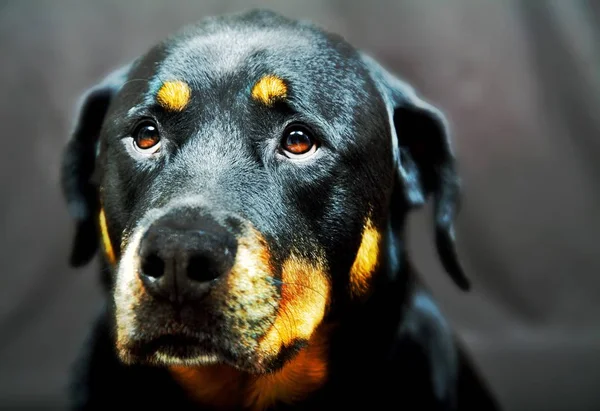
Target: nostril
(153,266)
(203,268)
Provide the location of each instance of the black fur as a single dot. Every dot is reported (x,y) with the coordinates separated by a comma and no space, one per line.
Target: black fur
(384,151)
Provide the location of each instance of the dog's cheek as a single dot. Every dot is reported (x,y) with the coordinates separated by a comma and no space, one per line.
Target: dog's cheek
(129,294)
(366,261)
(305,292)
(129,291)
(248,302)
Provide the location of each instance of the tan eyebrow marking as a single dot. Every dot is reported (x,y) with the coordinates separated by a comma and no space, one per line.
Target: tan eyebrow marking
(269,89)
(174,95)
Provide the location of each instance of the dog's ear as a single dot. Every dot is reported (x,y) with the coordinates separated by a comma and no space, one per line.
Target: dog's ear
(78,165)
(424,160)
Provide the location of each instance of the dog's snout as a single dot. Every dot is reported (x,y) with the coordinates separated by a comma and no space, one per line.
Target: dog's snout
(181,257)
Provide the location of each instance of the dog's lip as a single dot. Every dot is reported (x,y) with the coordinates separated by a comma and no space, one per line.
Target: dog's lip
(189,347)
(175,341)
(178,346)
(183,348)
(181,340)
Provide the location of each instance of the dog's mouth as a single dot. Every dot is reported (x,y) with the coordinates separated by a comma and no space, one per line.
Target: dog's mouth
(179,349)
(177,346)
(182,349)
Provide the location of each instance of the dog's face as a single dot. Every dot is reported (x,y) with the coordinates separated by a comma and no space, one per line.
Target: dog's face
(245,177)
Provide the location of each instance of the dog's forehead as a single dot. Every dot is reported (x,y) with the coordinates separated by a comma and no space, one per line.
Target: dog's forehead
(306,58)
(216,54)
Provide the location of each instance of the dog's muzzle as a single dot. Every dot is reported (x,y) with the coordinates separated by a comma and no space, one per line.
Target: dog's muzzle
(195,286)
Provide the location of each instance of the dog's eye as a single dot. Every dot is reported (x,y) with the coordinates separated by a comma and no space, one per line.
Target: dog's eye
(146,137)
(298,143)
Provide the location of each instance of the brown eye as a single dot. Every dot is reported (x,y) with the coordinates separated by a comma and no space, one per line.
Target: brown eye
(298,143)
(146,137)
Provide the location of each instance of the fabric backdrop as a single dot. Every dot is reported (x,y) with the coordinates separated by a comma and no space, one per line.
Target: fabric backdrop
(520,83)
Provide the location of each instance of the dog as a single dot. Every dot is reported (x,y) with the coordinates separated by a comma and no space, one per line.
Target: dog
(246,184)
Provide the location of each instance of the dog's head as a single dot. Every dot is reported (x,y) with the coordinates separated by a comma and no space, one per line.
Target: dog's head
(243,180)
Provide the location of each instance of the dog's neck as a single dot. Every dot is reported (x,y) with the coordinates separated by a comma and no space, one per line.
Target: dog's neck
(222,387)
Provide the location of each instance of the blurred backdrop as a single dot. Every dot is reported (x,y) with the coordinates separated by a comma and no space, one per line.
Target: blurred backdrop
(520,83)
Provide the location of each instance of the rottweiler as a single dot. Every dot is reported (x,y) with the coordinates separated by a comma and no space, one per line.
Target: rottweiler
(246,183)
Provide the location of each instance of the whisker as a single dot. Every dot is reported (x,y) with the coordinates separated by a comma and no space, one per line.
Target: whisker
(298,285)
(291,320)
(272,322)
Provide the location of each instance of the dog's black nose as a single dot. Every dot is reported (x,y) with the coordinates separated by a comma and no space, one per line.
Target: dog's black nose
(180,257)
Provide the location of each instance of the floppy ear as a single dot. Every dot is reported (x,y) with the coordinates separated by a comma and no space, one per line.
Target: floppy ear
(78,165)
(424,160)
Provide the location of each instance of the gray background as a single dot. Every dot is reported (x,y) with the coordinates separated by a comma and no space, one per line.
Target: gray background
(520,84)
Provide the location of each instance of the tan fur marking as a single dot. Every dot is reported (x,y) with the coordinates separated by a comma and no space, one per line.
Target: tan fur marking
(304,374)
(304,298)
(366,260)
(106,243)
(250,297)
(269,89)
(219,386)
(174,95)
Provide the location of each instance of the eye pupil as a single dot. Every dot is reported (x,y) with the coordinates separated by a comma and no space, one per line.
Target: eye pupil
(146,136)
(298,142)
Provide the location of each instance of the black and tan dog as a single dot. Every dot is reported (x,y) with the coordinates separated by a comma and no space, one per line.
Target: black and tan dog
(247,181)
